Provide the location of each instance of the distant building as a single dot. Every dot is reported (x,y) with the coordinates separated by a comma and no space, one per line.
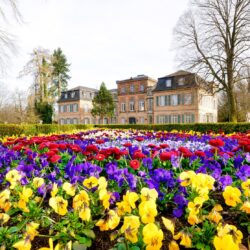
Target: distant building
(75,105)
(135,100)
(181,98)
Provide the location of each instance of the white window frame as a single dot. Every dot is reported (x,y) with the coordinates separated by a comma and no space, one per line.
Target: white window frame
(142,120)
(181,81)
(123,107)
(132,88)
(162,100)
(187,99)
(188,118)
(174,100)
(131,106)
(141,87)
(141,105)
(174,118)
(168,83)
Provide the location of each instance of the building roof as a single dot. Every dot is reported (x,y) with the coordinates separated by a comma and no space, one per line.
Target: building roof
(138,77)
(82,88)
(179,73)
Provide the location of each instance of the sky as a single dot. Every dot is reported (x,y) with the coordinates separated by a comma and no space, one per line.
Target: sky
(103,40)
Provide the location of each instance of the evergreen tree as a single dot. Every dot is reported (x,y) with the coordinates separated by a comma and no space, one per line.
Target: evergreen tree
(103,103)
(60,71)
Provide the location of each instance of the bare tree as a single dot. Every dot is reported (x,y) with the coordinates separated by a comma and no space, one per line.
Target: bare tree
(213,40)
(7,41)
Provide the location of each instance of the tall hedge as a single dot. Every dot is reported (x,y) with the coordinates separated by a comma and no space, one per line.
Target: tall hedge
(199,127)
(35,129)
(13,129)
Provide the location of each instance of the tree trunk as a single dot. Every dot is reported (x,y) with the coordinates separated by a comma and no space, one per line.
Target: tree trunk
(232,106)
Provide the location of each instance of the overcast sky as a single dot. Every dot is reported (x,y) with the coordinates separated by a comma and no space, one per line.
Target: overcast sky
(103,40)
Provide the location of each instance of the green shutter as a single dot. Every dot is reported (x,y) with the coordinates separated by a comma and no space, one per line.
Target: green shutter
(193,118)
(179,118)
(166,100)
(179,99)
(182,99)
(183,118)
(157,101)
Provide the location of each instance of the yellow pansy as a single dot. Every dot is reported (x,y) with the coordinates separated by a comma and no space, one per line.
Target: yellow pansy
(81,199)
(225,243)
(31,230)
(193,219)
(147,211)
(59,205)
(246,207)
(168,224)
(122,208)
(90,182)
(23,245)
(26,194)
(185,239)
(81,204)
(131,198)
(246,187)
(102,183)
(104,197)
(69,188)
(38,182)
(109,222)
(203,182)
(148,194)
(194,206)
(214,215)
(173,245)
(51,247)
(4,218)
(130,228)
(186,178)
(13,177)
(4,200)
(54,190)
(230,230)
(152,237)
(232,196)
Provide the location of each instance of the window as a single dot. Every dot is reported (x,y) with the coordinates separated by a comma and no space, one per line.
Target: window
(168,83)
(132,106)
(75,107)
(150,119)
(65,95)
(150,104)
(141,87)
(187,99)
(75,121)
(181,81)
(64,108)
(71,108)
(174,119)
(61,121)
(68,121)
(132,88)
(123,120)
(162,100)
(73,94)
(141,105)
(161,119)
(123,107)
(141,120)
(174,100)
(86,108)
(61,108)
(123,90)
(188,118)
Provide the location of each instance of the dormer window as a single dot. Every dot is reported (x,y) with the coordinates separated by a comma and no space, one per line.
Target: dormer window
(168,83)
(73,94)
(181,81)
(65,95)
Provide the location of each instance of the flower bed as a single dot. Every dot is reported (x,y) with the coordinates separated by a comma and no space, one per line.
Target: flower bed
(125,190)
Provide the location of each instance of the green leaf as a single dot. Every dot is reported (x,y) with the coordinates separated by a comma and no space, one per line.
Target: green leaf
(134,248)
(90,233)
(84,240)
(121,246)
(13,230)
(77,246)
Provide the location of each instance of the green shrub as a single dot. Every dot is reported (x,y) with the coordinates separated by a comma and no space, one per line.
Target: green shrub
(35,129)
(198,127)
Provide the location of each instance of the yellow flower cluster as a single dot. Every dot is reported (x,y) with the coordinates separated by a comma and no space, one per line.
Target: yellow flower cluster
(228,237)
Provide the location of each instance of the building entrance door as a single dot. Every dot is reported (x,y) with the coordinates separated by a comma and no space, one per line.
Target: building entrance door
(132,120)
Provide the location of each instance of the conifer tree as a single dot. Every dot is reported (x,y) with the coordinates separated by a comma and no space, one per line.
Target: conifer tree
(103,103)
